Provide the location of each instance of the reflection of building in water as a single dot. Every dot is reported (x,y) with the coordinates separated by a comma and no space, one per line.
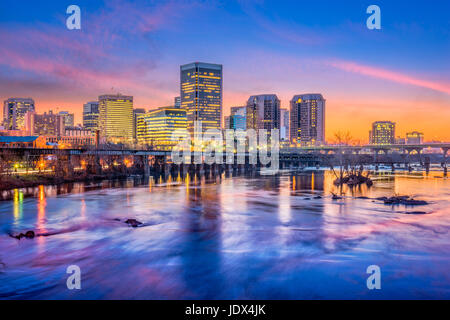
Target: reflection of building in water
(313,181)
(201,246)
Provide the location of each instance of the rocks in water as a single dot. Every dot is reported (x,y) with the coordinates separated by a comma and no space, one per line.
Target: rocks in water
(307,199)
(353,179)
(29,235)
(336,197)
(416,212)
(405,200)
(318,197)
(133,223)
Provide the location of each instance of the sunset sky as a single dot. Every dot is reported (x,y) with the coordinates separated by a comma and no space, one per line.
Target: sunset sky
(399,73)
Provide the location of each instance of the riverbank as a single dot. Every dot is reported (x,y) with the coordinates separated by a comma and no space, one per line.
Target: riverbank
(14,181)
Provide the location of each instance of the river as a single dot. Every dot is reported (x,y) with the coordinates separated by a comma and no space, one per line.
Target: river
(259,237)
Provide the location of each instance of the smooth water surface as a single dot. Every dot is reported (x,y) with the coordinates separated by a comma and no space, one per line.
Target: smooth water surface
(261,237)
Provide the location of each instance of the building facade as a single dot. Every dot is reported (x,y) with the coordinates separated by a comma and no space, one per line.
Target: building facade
(156,128)
(69,118)
(307,120)
(201,94)
(383,132)
(116,118)
(136,112)
(91,115)
(47,124)
(284,120)
(263,112)
(414,137)
(14,110)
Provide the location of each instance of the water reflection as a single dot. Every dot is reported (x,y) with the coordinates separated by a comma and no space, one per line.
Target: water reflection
(226,237)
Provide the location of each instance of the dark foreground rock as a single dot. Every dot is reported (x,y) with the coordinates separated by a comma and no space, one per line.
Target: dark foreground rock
(133,223)
(28,235)
(405,200)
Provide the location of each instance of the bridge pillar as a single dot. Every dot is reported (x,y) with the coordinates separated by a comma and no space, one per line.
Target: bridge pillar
(146,166)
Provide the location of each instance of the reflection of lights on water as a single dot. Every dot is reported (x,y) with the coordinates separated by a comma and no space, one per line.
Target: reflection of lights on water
(312,181)
(18,204)
(293,182)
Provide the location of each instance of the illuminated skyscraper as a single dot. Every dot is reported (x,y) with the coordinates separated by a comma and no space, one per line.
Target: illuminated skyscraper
(263,112)
(14,110)
(116,118)
(383,132)
(155,128)
(307,125)
(90,115)
(201,94)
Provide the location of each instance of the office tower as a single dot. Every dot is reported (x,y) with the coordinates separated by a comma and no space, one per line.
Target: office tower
(414,137)
(284,120)
(91,115)
(263,112)
(116,118)
(47,124)
(136,113)
(14,110)
(68,118)
(155,128)
(177,101)
(383,132)
(307,119)
(201,94)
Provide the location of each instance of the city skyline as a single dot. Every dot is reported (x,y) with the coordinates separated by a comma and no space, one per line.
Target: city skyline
(364,74)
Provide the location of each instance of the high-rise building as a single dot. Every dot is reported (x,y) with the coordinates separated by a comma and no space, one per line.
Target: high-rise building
(69,118)
(307,119)
(201,94)
(157,127)
(116,118)
(14,110)
(263,112)
(90,115)
(414,137)
(136,112)
(383,132)
(47,124)
(284,120)
(177,101)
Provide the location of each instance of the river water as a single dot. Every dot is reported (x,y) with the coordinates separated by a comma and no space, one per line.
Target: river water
(260,237)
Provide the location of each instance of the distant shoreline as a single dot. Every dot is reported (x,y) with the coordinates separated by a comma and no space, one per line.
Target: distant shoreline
(14,181)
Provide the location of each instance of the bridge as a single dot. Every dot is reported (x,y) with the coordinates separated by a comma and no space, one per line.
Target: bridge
(98,159)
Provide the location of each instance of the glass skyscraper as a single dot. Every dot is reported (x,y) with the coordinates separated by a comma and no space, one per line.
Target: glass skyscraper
(201,94)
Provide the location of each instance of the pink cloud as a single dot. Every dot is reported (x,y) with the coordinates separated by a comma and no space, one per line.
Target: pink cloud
(388,75)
